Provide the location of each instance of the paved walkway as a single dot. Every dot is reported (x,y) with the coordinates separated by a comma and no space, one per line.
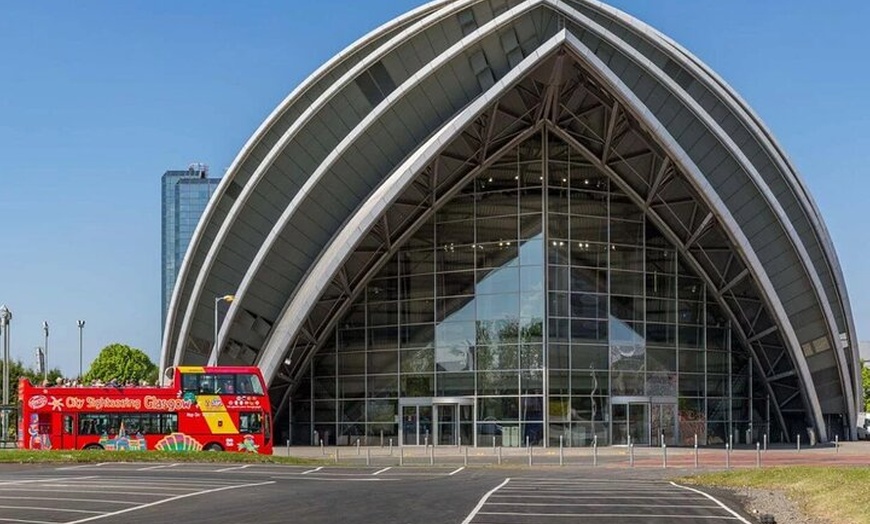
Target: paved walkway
(848,453)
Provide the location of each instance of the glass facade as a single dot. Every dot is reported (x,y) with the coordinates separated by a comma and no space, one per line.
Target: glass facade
(538,304)
(184,196)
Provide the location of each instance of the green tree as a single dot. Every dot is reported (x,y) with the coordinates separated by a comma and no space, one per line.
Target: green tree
(18,369)
(121,363)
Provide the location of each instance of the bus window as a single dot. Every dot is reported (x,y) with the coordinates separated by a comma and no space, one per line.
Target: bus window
(225,384)
(68,424)
(249,384)
(190,382)
(250,422)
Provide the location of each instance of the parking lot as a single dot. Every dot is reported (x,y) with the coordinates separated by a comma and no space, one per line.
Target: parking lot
(219,493)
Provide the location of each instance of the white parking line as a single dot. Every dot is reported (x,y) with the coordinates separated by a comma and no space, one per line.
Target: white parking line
(723,506)
(621,516)
(172,499)
(66,499)
(232,468)
(483,500)
(163,466)
(58,510)
(455,471)
(315,470)
(378,472)
(20,521)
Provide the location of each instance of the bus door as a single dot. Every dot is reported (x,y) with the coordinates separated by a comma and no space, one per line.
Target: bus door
(39,432)
(68,431)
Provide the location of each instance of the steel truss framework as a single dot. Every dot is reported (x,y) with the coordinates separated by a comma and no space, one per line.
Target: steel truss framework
(551,80)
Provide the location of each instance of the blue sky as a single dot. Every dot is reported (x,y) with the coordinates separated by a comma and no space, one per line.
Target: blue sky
(99,98)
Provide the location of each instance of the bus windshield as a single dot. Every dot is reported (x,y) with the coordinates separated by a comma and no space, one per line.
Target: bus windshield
(221,384)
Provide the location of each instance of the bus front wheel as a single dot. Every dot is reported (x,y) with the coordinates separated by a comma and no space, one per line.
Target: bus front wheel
(214,447)
(93,447)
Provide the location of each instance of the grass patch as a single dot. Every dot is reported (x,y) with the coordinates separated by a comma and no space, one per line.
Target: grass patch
(85,457)
(836,494)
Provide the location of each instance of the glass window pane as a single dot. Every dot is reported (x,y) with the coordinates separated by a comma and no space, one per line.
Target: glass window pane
(501,280)
(383,362)
(589,357)
(588,280)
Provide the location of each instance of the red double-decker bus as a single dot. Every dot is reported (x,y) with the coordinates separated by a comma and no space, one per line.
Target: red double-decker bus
(203,408)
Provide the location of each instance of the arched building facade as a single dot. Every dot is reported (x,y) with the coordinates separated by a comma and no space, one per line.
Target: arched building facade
(522,220)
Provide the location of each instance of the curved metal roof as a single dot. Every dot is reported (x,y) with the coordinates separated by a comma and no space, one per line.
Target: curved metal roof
(367,148)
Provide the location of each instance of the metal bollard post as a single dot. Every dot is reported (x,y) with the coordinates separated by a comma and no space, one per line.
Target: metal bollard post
(765,442)
(696,451)
(836,444)
(322,449)
(799,443)
(357,447)
(465,461)
(530,453)
(561,451)
(391,447)
(382,438)
(727,456)
(336,454)
(426,440)
(527,441)
(459,442)
(595,452)
(401,456)
(432,456)
(368,456)
(631,454)
(664,455)
(493,444)
(499,455)
(288,447)
(757,455)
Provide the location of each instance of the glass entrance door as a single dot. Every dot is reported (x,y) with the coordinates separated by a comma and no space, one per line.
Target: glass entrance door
(664,424)
(631,424)
(448,424)
(416,425)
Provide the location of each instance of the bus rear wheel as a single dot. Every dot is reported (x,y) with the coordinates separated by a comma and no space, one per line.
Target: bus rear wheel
(93,447)
(214,447)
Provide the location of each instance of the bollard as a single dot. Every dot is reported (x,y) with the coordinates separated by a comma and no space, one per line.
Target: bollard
(357,447)
(499,455)
(288,447)
(765,442)
(530,454)
(561,451)
(664,456)
(757,455)
(493,444)
(696,451)
(799,443)
(322,449)
(527,441)
(727,456)
(426,440)
(631,454)
(836,444)
(696,440)
(432,456)
(391,447)
(401,456)
(368,457)
(595,452)
(459,442)
(336,454)
(382,438)
(465,461)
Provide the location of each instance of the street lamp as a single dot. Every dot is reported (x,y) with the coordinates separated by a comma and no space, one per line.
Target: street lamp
(45,332)
(212,359)
(5,318)
(81,325)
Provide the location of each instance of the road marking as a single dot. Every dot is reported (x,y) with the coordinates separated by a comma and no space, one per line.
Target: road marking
(62,499)
(681,506)
(621,516)
(27,521)
(343,479)
(54,490)
(723,506)
(456,471)
(233,468)
(378,472)
(315,470)
(163,466)
(59,510)
(172,499)
(483,500)
(33,481)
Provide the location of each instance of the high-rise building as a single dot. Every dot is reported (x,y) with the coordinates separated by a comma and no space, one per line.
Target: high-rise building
(184,197)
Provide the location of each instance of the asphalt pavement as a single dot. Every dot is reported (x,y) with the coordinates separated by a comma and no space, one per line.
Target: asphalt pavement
(261,494)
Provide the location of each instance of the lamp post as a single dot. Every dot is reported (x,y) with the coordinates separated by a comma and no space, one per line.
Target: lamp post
(45,332)
(212,359)
(81,325)
(5,318)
